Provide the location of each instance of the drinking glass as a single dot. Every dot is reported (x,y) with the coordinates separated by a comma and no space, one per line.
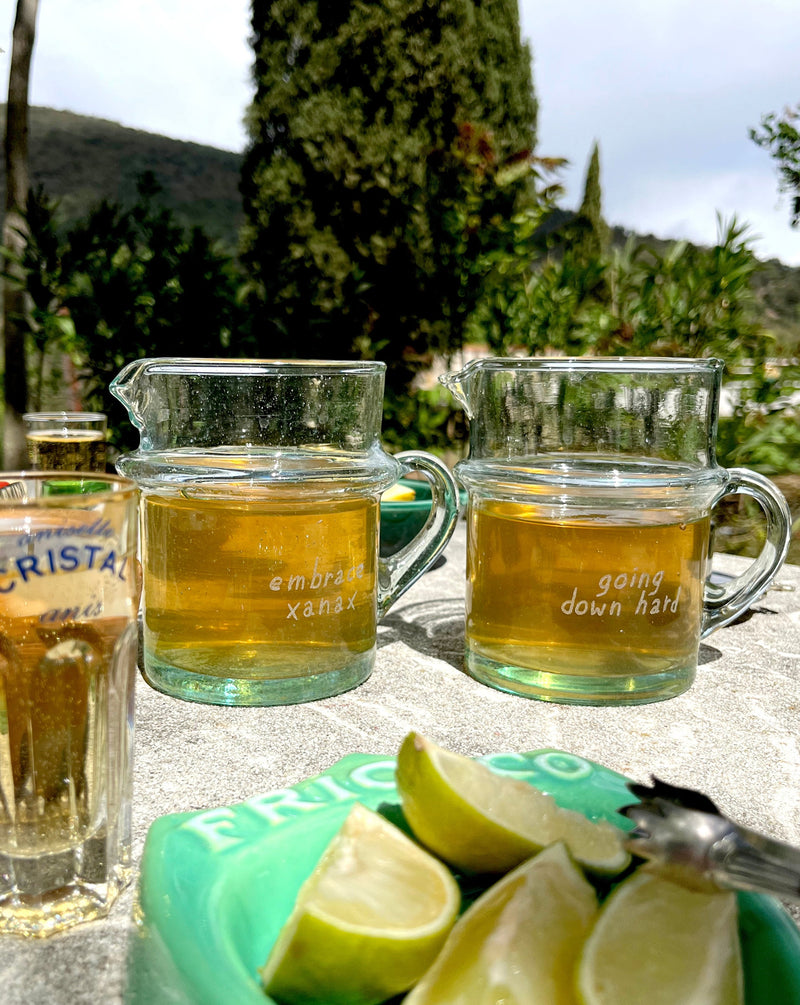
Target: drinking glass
(68,604)
(66,441)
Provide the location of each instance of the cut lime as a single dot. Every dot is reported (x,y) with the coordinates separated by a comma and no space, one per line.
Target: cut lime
(399,493)
(664,944)
(479,821)
(367,923)
(519,942)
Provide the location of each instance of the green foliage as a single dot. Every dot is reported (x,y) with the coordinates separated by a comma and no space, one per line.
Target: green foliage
(385,148)
(678,300)
(496,251)
(80,160)
(548,309)
(763,432)
(686,301)
(780,135)
(423,419)
(766,442)
(122,284)
(538,302)
(128,280)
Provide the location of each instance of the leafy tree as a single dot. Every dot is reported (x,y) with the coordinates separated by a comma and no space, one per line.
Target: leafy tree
(544,289)
(780,135)
(140,286)
(685,301)
(389,146)
(122,284)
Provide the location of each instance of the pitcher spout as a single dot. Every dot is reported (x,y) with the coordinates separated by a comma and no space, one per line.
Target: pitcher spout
(457,383)
(126,387)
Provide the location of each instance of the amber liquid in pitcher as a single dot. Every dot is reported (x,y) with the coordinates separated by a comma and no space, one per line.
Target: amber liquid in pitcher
(259,584)
(601,594)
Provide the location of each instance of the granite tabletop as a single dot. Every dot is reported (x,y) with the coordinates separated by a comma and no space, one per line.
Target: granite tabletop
(734,735)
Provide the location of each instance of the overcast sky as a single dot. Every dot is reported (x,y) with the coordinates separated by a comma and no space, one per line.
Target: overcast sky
(669,88)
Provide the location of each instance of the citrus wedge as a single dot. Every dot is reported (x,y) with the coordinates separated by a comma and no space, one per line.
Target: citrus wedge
(519,942)
(661,943)
(368,921)
(399,493)
(479,821)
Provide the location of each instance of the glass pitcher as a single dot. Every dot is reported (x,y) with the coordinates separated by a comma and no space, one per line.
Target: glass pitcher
(260,484)
(591,484)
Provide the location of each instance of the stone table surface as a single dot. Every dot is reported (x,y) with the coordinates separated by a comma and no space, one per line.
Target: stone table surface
(734,735)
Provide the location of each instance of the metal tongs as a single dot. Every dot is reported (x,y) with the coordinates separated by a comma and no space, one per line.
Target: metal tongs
(13,490)
(684,833)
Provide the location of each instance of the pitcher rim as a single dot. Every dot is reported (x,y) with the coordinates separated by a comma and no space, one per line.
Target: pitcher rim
(242,365)
(612,364)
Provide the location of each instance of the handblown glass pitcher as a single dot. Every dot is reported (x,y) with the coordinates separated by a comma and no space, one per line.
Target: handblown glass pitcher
(591,484)
(260,485)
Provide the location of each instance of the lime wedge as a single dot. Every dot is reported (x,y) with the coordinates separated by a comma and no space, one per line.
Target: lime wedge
(664,944)
(519,942)
(367,923)
(479,821)
(399,493)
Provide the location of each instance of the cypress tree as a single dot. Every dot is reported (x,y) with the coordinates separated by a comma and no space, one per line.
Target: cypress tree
(384,138)
(590,242)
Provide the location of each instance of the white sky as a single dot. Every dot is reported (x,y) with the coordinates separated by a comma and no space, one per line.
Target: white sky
(668,87)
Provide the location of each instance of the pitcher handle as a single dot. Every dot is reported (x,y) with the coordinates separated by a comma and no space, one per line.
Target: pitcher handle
(721,605)
(397,572)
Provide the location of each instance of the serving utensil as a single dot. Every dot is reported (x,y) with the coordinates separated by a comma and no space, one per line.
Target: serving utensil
(684,832)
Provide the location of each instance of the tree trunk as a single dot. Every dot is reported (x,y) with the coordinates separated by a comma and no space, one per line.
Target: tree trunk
(14,230)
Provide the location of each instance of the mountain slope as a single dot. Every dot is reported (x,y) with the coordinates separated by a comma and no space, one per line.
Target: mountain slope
(80,160)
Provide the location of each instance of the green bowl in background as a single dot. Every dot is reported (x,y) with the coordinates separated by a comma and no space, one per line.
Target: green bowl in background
(71,487)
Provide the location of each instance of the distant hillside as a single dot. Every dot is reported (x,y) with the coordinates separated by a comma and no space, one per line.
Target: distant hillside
(776,286)
(80,160)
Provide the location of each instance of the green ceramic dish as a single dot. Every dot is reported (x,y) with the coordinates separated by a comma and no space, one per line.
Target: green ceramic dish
(401,521)
(71,487)
(216,886)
